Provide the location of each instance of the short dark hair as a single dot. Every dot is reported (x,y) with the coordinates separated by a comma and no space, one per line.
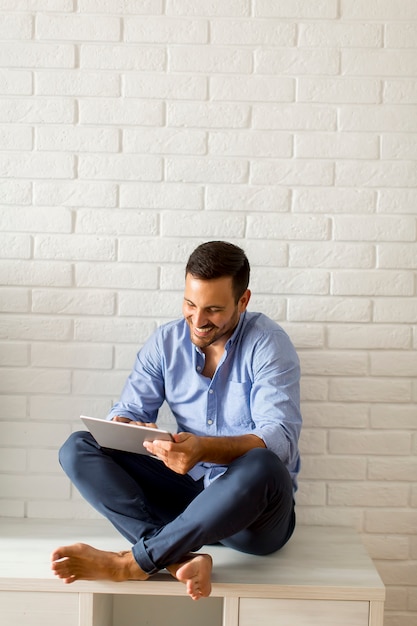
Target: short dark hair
(215,259)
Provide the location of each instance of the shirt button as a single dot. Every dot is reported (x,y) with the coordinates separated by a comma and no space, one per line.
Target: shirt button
(209,422)
(211,391)
(198,368)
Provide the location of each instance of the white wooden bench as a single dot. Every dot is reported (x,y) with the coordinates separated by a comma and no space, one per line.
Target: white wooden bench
(323,577)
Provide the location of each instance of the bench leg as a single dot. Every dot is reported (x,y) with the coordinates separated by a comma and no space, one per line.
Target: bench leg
(230,611)
(376,613)
(95,609)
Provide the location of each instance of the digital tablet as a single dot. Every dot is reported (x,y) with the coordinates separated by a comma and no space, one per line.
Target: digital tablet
(121,436)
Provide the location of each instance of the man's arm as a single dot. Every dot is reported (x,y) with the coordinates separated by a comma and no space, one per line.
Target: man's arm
(188,450)
(143,391)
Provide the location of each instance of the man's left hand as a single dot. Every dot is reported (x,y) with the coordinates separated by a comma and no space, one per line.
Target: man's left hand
(179,455)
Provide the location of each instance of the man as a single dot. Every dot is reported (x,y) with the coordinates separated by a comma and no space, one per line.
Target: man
(231,380)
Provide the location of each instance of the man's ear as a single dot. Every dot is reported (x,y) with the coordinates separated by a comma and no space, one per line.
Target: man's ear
(244,301)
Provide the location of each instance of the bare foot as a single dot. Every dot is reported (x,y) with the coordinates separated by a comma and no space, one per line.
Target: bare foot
(195,573)
(83,562)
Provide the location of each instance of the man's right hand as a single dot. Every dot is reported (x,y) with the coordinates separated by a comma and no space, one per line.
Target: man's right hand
(126,420)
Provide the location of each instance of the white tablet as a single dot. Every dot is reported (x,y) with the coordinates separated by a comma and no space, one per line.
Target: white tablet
(121,436)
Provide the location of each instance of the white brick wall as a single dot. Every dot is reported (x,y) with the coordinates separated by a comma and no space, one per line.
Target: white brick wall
(132,131)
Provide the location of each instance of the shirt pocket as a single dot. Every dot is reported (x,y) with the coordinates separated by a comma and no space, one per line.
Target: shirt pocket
(240,389)
(237,413)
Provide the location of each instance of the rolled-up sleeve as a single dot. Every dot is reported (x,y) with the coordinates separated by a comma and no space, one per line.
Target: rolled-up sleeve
(275,396)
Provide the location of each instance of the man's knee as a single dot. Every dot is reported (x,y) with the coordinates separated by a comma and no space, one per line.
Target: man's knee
(264,461)
(263,467)
(71,451)
(264,456)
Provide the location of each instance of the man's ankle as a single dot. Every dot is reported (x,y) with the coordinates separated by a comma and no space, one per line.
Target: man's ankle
(131,568)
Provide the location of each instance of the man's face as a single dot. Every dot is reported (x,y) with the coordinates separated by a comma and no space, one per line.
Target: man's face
(210,310)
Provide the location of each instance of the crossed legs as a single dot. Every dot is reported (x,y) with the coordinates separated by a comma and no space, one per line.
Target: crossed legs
(168,517)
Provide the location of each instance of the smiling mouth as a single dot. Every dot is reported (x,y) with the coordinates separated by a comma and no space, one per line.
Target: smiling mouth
(202,332)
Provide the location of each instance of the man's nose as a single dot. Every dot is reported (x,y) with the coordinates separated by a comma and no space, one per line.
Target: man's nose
(199,318)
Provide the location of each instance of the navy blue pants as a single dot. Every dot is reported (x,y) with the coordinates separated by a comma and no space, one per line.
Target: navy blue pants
(166,515)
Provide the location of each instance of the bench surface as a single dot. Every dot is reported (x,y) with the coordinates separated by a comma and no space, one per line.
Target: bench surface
(327,563)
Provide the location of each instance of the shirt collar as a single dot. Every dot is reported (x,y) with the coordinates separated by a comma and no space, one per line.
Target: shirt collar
(236,331)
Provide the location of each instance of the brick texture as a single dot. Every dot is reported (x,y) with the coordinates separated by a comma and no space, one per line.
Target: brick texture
(130,132)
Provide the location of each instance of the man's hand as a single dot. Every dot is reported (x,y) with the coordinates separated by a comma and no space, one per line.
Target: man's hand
(126,420)
(179,455)
(187,450)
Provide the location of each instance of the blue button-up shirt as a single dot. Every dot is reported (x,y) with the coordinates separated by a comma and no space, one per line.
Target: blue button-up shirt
(255,389)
